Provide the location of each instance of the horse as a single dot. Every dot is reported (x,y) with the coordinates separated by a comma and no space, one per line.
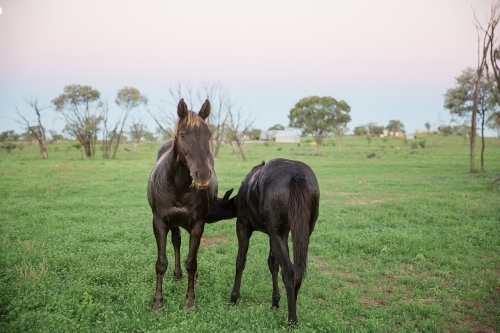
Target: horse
(182,190)
(275,198)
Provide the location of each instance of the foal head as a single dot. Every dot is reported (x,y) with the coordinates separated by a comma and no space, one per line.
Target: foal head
(192,142)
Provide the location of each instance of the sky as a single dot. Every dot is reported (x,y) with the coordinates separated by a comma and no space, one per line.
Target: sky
(388,59)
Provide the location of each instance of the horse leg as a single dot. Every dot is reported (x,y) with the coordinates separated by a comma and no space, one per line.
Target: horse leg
(273,268)
(176,242)
(279,248)
(244,233)
(191,261)
(160,230)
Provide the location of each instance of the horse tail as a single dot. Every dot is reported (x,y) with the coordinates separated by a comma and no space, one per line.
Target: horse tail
(299,213)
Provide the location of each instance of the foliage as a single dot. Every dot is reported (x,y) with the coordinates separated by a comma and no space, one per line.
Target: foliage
(81,108)
(9,136)
(395,126)
(319,116)
(404,243)
(8,146)
(360,130)
(277,127)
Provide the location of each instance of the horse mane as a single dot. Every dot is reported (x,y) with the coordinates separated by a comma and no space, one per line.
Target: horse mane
(191,120)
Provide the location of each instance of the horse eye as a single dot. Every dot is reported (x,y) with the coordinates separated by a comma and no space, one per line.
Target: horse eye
(182,135)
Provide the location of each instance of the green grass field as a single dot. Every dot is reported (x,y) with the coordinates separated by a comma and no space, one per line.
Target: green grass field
(406,241)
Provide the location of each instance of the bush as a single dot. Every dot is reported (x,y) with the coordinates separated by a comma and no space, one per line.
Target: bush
(414,145)
(421,143)
(8,146)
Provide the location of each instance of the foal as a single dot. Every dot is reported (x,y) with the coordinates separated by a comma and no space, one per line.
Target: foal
(275,198)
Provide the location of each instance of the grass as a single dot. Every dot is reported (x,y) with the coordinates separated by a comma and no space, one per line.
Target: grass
(406,241)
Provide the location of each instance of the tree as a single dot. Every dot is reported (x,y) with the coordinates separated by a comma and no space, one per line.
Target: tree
(254,134)
(128,98)
(9,136)
(493,122)
(340,130)
(55,136)
(319,116)
(427,126)
(81,108)
(276,127)
(360,130)
(375,129)
(395,126)
(37,132)
(220,103)
(149,136)
(236,128)
(137,131)
(109,131)
(470,93)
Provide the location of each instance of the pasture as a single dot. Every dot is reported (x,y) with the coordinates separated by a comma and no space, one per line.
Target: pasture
(406,240)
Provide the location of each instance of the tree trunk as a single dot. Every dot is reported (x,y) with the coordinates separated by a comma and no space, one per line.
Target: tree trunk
(482,144)
(43,149)
(473,121)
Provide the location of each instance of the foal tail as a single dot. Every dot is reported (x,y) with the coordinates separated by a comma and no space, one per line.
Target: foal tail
(299,214)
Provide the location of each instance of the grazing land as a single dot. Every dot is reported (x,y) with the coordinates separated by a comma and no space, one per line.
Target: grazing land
(406,241)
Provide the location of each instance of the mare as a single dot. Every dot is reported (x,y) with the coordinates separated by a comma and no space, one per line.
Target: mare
(275,198)
(182,190)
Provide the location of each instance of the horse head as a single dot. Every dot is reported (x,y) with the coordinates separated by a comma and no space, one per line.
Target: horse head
(192,143)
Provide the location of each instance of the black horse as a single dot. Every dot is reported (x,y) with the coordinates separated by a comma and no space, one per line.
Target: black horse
(182,190)
(275,198)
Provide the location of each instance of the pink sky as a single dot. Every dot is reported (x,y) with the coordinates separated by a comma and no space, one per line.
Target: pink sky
(386,59)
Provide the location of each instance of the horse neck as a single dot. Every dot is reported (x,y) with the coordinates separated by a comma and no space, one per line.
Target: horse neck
(176,172)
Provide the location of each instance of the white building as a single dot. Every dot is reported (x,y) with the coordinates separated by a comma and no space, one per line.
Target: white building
(290,136)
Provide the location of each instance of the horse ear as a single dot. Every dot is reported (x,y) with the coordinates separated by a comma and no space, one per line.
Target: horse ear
(227,195)
(182,109)
(205,110)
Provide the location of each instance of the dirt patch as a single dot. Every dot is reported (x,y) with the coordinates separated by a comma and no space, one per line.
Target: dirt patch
(321,264)
(477,326)
(209,241)
(372,302)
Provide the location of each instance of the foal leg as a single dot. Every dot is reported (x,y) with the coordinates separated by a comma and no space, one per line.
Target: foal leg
(176,242)
(273,268)
(243,234)
(279,247)
(191,261)
(160,230)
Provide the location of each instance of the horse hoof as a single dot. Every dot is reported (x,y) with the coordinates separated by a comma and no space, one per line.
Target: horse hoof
(156,308)
(190,306)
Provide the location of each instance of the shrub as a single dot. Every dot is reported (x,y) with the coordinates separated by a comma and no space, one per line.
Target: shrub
(421,143)
(414,145)
(8,146)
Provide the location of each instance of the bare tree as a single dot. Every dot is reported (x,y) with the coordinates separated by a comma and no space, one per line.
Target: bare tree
(128,98)
(485,41)
(219,99)
(236,128)
(340,130)
(38,131)
(136,132)
(220,103)
(109,131)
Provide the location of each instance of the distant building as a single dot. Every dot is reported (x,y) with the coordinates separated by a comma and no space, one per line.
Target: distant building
(290,135)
